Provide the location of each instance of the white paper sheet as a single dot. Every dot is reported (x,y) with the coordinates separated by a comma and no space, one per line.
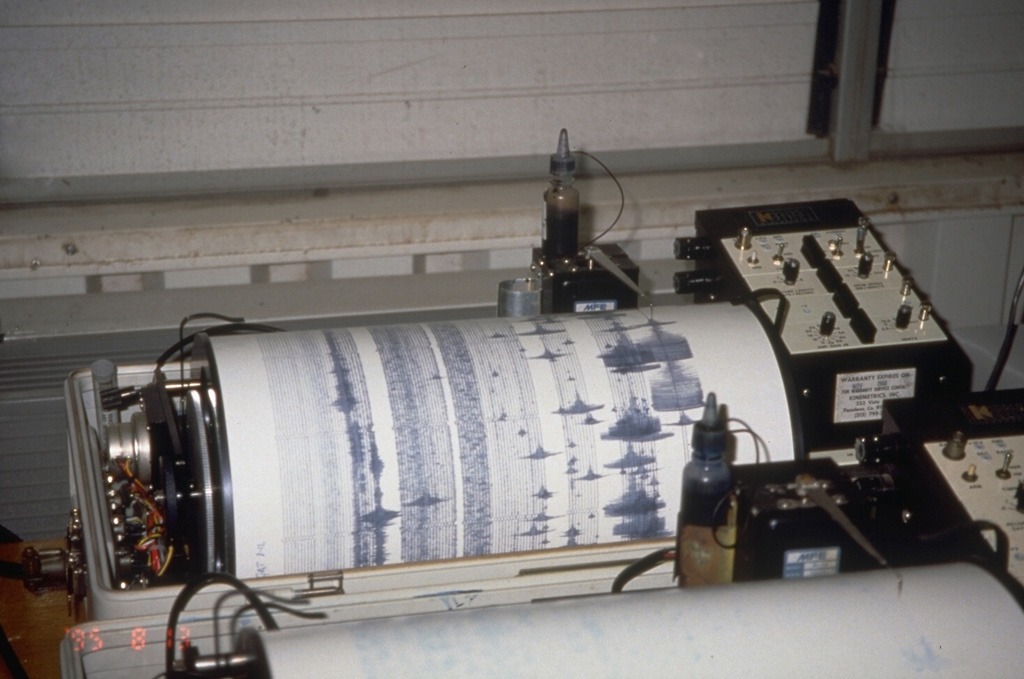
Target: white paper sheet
(379,445)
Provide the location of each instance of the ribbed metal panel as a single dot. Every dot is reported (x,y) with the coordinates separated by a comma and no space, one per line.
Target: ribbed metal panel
(34,476)
(34,494)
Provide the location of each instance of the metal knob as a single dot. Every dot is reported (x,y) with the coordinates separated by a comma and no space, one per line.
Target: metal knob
(954,448)
(890,261)
(743,240)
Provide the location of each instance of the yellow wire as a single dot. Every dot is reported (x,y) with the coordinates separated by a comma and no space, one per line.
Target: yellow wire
(146,539)
(167,561)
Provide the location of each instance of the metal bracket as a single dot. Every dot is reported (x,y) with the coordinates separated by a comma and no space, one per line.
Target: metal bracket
(816,491)
(53,569)
(323,583)
(594,253)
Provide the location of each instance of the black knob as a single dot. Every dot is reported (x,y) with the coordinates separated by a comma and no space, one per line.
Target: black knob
(790,270)
(864,265)
(903,316)
(694,248)
(886,448)
(698,281)
(828,323)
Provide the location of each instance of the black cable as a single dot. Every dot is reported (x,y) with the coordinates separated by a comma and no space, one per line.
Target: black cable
(996,564)
(755,437)
(181,337)
(216,619)
(307,615)
(10,657)
(641,566)
(216,330)
(1002,549)
(1002,543)
(277,604)
(12,570)
(1011,332)
(1000,571)
(189,591)
(205,314)
(622,198)
(781,312)
(726,500)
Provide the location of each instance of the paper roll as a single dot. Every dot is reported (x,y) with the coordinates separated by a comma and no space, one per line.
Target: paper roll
(952,621)
(379,445)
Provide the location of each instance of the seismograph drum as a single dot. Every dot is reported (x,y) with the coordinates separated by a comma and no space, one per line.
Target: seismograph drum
(395,444)
(944,621)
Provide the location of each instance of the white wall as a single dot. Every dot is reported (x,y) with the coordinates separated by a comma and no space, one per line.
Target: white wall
(955,65)
(143,90)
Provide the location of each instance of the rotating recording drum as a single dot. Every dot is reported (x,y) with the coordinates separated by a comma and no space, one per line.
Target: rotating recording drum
(946,621)
(378,445)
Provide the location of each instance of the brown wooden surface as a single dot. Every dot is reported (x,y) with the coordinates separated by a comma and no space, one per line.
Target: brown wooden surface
(34,623)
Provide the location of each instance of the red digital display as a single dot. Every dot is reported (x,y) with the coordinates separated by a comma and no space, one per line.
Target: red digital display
(89,640)
(82,639)
(138,638)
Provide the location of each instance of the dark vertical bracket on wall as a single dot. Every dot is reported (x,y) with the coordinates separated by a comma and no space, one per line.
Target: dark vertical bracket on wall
(825,75)
(884,40)
(851,54)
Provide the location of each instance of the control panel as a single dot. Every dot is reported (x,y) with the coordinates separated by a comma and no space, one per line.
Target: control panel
(848,323)
(844,289)
(987,478)
(973,447)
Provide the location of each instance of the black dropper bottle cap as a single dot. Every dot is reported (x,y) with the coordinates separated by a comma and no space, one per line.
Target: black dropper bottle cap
(563,163)
(709,434)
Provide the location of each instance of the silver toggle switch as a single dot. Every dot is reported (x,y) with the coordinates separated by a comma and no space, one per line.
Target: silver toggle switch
(836,247)
(1004,471)
(862,234)
(779,257)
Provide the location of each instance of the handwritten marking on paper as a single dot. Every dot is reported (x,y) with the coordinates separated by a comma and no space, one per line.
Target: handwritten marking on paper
(261,553)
